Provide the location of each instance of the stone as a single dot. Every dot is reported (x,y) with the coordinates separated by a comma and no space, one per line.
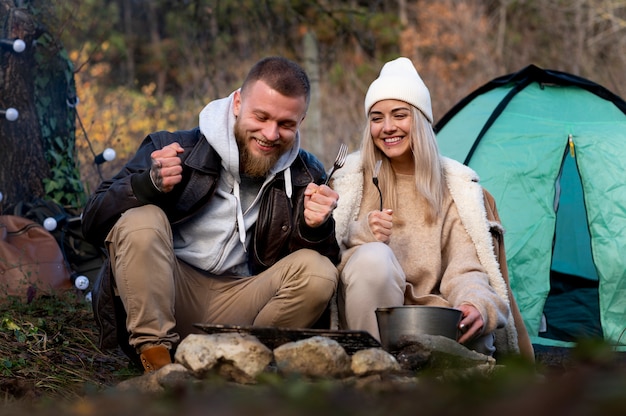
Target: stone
(242,358)
(315,357)
(373,361)
(235,357)
(173,376)
(167,377)
(437,352)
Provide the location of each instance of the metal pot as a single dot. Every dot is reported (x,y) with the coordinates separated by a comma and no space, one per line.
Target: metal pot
(398,325)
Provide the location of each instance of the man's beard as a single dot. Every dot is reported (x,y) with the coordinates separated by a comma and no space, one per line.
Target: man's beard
(250,164)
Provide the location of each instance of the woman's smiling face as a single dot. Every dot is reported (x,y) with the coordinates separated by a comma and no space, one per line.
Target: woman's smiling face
(390,126)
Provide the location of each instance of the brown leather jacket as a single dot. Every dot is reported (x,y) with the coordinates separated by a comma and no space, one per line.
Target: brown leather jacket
(280,228)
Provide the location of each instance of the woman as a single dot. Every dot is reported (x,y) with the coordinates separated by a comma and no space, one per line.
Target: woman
(407,241)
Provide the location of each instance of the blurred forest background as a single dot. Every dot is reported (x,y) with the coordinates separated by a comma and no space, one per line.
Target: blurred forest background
(146,65)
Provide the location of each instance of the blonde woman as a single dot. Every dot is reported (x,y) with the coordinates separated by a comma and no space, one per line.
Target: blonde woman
(405,242)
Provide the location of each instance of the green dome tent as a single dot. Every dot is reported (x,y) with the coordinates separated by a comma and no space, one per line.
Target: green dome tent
(551,148)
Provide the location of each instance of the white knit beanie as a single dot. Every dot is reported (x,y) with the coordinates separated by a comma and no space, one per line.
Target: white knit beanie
(399,80)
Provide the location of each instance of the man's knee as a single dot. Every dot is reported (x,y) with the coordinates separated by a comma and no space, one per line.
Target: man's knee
(141,228)
(315,263)
(145,216)
(140,223)
(316,271)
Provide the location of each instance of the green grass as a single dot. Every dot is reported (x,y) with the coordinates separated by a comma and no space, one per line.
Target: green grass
(48,349)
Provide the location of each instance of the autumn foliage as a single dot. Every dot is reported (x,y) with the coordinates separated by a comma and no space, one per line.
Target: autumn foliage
(155,64)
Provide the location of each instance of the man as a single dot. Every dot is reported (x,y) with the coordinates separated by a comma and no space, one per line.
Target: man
(222,224)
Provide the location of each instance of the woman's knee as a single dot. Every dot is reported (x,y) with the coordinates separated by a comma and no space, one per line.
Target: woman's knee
(484,344)
(374,265)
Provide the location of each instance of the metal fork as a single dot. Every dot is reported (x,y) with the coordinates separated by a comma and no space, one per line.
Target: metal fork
(339,161)
(375,180)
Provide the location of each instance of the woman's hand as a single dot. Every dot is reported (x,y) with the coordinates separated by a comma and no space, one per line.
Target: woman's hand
(471,324)
(380,223)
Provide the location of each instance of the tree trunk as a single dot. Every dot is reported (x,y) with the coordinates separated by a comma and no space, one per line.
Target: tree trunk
(504,4)
(37,157)
(311,128)
(402,13)
(157,52)
(22,161)
(127,17)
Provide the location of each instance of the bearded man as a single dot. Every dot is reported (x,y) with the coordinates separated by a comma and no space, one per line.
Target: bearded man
(228,223)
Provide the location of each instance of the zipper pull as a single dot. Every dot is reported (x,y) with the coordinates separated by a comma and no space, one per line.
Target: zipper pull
(570,140)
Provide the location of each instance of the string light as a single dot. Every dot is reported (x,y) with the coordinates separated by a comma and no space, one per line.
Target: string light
(50,224)
(10,114)
(18,45)
(80,282)
(106,156)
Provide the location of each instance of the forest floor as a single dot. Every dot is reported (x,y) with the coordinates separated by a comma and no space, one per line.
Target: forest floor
(50,365)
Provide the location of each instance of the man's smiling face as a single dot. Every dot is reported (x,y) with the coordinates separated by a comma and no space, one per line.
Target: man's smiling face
(266,126)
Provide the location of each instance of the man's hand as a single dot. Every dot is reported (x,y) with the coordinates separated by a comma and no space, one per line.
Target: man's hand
(319,203)
(471,324)
(166,169)
(380,223)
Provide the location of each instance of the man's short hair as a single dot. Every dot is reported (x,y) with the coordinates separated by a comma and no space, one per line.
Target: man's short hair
(282,75)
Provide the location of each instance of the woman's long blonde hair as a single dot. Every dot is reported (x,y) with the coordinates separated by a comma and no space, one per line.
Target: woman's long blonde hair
(429,177)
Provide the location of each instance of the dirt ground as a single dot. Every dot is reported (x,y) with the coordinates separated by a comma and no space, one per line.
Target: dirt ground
(51,365)
(565,385)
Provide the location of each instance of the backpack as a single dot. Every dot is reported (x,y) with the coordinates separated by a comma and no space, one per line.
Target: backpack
(31,262)
(82,257)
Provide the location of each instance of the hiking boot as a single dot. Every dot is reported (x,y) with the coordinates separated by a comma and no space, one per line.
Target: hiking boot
(154,358)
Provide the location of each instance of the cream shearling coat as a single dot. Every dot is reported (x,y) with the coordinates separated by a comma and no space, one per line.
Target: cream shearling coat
(467,193)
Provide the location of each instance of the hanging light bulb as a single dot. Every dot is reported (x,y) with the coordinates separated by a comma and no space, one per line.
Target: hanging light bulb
(106,156)
(10,114)
(17,45)
(50,224)
(81,282)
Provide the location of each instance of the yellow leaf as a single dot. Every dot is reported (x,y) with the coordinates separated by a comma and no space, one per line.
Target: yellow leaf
(10,325)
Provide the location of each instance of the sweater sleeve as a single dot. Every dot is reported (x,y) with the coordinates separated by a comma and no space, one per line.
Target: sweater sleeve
(464,279)
(357,233)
